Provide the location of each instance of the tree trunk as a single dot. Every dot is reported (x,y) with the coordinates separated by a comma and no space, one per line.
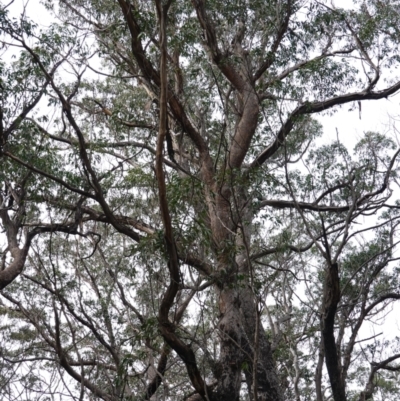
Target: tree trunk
(229,367)
(331,301)
(240,347)
(267,380)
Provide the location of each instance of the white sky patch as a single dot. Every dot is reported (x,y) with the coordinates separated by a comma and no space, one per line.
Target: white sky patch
(350,125)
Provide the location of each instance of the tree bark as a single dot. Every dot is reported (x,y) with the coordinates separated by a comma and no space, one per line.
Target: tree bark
(333,363)
(267,380)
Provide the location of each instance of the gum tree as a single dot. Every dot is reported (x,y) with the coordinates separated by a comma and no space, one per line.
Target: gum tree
(171,227)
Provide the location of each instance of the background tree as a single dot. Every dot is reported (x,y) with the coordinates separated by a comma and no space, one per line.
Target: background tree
(172,228)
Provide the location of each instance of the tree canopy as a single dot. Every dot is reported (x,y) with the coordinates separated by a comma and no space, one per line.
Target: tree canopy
(174,225)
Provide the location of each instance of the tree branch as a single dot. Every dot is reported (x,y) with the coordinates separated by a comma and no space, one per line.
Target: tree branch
(316,107)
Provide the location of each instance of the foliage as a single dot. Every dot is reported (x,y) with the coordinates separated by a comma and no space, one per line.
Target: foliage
(174,224)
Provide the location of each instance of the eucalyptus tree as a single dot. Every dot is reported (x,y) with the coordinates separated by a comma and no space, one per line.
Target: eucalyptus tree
(171,228)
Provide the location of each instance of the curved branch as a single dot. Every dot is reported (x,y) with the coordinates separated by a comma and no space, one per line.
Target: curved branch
(167,328)
(271,251)
(152,75)
(371,384)
(316,107)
